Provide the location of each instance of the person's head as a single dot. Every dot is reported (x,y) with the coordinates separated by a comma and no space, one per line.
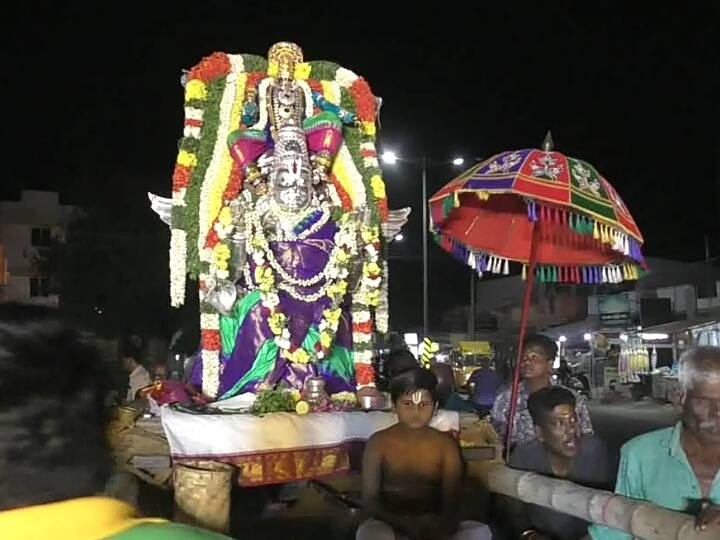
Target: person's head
(130,361)
(413,396)
(486,363)
(52,419)
(159,372)
(700,382)
(539,352)
(399,361)
(553,412)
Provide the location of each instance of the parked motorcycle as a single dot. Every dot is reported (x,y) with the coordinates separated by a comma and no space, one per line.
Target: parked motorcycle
(573,376)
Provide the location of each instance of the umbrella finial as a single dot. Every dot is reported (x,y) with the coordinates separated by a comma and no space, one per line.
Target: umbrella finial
(548,144)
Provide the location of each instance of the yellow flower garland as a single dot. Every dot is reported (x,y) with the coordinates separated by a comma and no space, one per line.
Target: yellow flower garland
(187,159)
(195,89)
(378,187)
(302,71)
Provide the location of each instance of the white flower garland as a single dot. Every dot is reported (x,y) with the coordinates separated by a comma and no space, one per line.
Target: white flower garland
(178,237)
(209,321)
(334,273)
(331,91)
(370,162)
(237,63)
(193,113)
(307,93)
(191,131)
(212,175)
(345,77)
(178,266)
(363,357)
(354,184)
(262,104)
(211,373)
(268,254)
(361,337)
(360,317)
(382,312)
(178,197)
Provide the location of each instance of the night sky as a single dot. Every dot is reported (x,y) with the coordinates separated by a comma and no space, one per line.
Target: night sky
(93,101)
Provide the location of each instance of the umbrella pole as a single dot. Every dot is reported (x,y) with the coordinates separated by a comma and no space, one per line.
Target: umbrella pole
(525,314)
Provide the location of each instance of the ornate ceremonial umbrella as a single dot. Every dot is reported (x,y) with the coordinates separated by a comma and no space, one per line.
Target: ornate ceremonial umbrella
(553,214)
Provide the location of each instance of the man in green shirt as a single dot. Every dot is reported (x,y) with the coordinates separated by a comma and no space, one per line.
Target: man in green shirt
(679,467)
(54,457)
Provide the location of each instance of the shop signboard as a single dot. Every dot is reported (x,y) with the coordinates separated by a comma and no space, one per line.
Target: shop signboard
(614,309)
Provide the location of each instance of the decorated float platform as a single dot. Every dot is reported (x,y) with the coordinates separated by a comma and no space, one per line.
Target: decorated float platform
(272,449)
(279,214)
(201,457)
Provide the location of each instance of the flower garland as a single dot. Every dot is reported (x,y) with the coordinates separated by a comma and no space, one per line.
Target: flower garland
(220,167)
(382,312)
(197,94)
(206,180)
(367,298)
(215,220)
(355,162)
(334,288)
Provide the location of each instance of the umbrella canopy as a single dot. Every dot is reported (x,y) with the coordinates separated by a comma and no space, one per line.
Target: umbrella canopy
(582,230)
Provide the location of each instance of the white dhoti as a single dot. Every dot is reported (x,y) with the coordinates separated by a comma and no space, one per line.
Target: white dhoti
(373,529)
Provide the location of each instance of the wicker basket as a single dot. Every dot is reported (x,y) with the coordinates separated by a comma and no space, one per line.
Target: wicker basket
(126,415)
(135,443)
(202,494)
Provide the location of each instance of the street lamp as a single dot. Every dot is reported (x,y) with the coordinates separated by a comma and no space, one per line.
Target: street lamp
(391,158)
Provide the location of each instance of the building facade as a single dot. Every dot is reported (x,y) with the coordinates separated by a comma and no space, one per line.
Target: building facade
(29,228)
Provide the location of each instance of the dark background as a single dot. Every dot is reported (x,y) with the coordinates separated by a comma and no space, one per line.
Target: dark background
(93,109)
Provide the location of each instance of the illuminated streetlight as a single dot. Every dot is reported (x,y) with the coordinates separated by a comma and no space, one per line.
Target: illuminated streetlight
(389,157)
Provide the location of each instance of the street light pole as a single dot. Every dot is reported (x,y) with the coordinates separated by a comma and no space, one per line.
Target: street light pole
(425,247)
(391,158)
(471,319)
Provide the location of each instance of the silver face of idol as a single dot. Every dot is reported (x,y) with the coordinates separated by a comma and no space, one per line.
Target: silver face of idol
(291,188)
(290,178)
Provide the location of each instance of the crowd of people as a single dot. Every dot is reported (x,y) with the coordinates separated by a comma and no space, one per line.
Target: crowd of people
(54,459)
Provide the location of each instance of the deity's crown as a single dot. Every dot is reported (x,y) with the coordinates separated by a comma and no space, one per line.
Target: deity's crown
(285,56)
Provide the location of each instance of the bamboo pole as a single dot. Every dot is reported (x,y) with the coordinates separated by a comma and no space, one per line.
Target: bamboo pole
(641,519)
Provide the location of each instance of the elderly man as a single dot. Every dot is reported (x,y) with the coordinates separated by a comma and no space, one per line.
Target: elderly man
(679,467)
